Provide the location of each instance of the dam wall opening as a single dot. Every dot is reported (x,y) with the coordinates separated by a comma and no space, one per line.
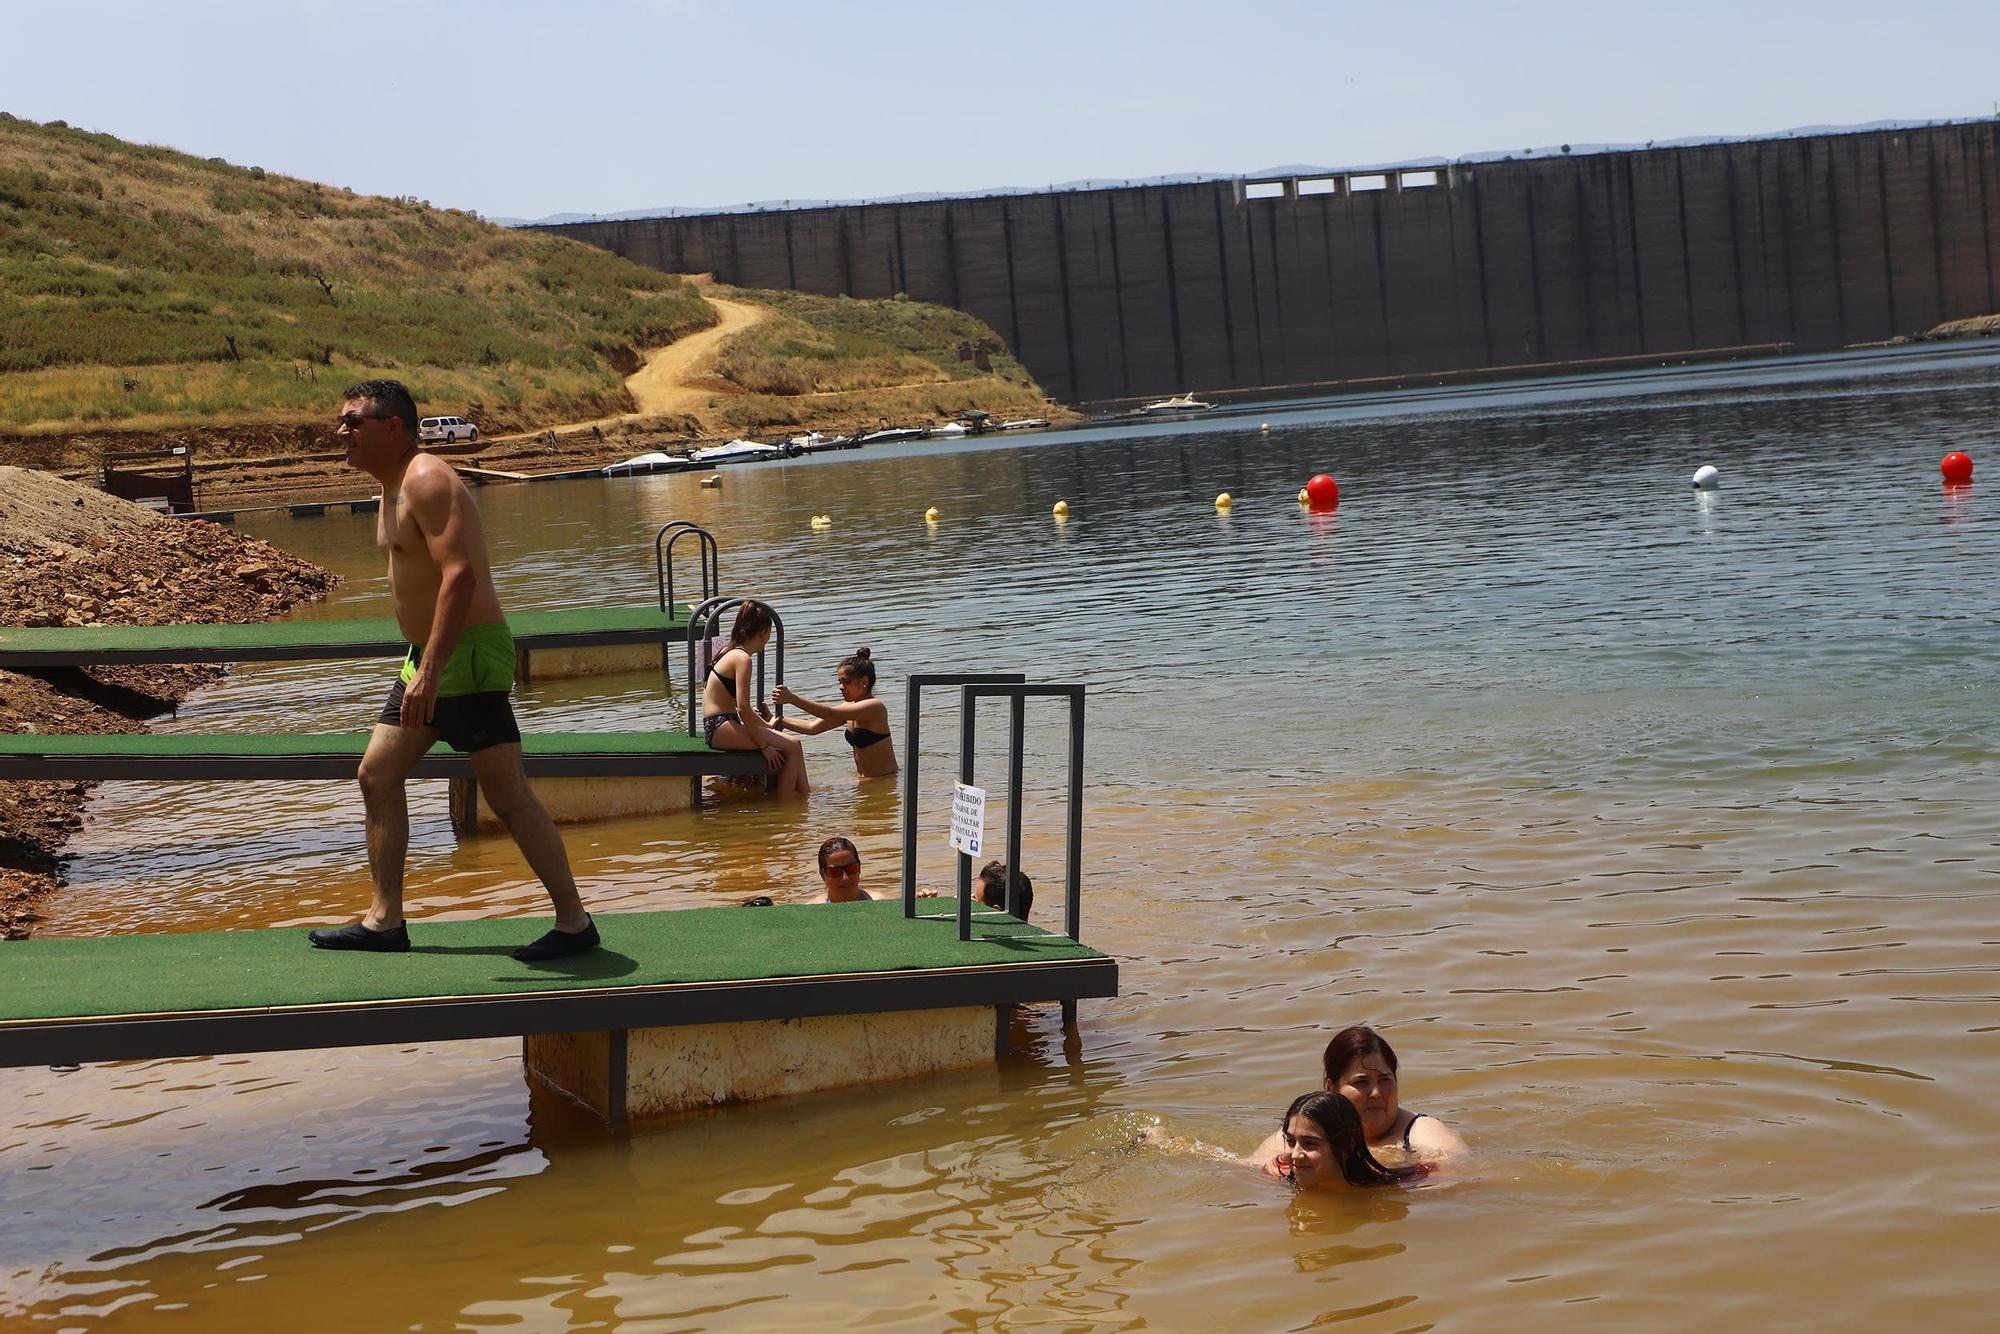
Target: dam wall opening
(1816,241)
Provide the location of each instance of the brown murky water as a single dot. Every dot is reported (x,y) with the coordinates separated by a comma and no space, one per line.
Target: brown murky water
(1655,828)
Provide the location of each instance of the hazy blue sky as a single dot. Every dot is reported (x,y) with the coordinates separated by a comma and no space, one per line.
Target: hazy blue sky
(527,109)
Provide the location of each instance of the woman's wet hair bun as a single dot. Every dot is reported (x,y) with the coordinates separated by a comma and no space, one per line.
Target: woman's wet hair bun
(862,652)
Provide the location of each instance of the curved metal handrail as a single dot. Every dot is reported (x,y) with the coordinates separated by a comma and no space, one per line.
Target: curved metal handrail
(706,552)
(703,623)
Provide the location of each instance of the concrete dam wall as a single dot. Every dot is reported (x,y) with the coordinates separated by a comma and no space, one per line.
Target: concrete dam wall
(1240,284)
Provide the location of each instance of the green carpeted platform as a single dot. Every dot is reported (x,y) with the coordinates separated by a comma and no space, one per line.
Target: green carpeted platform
(137,975)
(347,745)
(277,640)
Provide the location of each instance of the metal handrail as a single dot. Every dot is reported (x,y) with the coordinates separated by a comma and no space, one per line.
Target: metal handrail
(706,552)
(703,623)
(914,689)
(969,697)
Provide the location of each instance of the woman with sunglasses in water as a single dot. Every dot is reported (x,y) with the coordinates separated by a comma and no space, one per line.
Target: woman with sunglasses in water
(840,872)
(863,718)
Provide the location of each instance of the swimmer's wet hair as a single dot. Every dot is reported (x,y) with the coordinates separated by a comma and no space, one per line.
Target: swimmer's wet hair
(837,844)
(860,664)
(992,887)
(1341,1124)
(1352,1044)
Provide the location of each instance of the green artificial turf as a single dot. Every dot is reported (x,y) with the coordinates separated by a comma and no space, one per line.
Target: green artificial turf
(58,978)
(183,744)
(309,634)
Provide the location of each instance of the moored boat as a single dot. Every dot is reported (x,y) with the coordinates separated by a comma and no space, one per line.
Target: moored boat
(736,451)
(1178,403)
(812,442)
(652,462)
(1023,424)
(891,433)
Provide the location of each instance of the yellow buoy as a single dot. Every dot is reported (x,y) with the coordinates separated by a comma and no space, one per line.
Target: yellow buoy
(1266,428)
(1304,499)
(1061,508)
(1223,502)
(932,515)
(822,521)
(714,482)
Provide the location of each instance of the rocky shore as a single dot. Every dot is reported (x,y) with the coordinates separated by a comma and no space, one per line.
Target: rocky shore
(73,556)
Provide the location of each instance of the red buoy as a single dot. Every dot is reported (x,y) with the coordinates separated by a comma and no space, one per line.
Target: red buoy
(1957,468)
(1323,493)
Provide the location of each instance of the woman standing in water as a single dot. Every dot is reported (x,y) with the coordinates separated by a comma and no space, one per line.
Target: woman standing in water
(728,718)
(864,717)
(1361,1067)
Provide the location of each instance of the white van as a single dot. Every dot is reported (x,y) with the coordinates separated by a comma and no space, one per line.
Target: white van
(446,429)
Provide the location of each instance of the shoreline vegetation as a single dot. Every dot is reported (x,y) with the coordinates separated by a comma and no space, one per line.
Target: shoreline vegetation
(149,298)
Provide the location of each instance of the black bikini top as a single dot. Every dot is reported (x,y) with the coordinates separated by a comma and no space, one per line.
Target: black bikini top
(861,737)
(728,682)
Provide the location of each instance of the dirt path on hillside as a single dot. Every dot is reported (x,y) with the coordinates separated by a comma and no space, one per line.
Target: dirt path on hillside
(662,384)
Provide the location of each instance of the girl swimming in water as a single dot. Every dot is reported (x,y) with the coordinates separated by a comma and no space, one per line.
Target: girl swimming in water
(1361,1066)
(865,717)
(1324,1145)
(728,716)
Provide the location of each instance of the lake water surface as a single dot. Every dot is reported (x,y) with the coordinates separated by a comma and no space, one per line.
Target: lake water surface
(1655,828)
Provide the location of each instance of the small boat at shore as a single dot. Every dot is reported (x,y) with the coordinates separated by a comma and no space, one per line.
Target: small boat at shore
(1179,403)
(812,442)
(949,431)
(736,451)
(1024,424)
(642,463)
(890,434)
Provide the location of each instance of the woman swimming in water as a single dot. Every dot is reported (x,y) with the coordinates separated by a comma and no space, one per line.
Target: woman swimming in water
(1324,1145)
(1361,1066)
(840,871)
(865,717)
(726,698)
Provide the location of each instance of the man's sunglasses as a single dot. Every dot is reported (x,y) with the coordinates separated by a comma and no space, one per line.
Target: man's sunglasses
(352,420)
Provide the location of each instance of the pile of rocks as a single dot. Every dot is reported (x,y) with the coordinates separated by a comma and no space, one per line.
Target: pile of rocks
(73,556)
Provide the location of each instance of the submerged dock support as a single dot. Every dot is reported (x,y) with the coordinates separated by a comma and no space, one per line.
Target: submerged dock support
(634,1076)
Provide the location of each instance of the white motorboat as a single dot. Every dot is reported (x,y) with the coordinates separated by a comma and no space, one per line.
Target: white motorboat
(1024,424)
(891,433)
(949,431)
(1179,403)
(814,441)
(737,451)
(653,462)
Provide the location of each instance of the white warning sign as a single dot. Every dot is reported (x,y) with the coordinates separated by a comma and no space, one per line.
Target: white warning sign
(968,819)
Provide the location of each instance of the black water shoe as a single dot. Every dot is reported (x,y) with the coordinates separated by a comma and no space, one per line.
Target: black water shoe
(560,945)
(354,936)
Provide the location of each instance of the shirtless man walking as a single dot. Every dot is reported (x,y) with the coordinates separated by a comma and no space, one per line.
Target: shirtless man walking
(454,683)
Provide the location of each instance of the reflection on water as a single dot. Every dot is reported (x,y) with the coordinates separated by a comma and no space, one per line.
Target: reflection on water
(1654,826)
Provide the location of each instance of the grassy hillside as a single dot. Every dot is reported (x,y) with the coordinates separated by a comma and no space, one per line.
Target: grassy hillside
(848,364)
(144,288)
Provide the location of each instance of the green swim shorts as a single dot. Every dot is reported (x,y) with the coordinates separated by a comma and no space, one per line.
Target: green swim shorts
(481,662)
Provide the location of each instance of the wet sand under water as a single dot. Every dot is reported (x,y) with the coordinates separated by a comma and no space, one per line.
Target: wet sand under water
(1654,828)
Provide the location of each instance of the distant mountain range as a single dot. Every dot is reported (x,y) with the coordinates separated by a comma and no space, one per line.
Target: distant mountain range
(1196,178)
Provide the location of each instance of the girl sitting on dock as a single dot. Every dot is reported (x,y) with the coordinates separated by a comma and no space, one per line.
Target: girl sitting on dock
(728,715)
(865,718)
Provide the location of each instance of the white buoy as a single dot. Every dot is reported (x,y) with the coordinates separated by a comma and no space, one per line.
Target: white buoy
(1706,478)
